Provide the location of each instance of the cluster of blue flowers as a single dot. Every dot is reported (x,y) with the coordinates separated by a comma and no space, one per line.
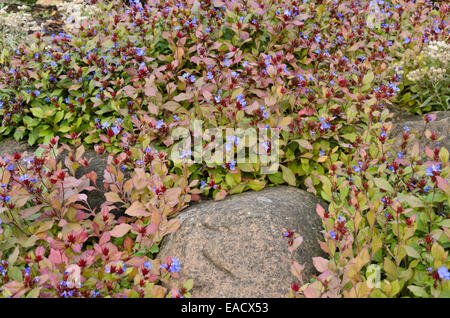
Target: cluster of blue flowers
(240,98)
(324,124)
(443,273)
(430,170)
(174,266)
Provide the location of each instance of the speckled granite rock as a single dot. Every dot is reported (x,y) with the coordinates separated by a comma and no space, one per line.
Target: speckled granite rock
(97,164)
(441,126)
(234,247)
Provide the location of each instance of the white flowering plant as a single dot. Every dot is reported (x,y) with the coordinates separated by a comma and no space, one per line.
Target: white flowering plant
(14,27)
(426,84)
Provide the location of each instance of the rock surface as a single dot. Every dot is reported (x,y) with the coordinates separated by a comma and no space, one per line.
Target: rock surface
(97,164)
(416,124)
(235,247)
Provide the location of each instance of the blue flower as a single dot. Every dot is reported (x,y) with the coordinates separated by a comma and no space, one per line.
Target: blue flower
(332,234)
(443,273)
(175,266)
(325,126)
(105,125)
(116,130)
(430,170)
(94,293)
(159,123)
(233,165)
(140,51)
(10,167)
(148,265)
(210,76)
(407,40)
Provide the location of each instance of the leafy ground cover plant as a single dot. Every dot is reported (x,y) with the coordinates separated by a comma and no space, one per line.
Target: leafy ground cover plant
(318,72)
(386,227)
(52,244)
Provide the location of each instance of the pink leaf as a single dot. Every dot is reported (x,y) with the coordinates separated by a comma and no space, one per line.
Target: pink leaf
(55,257)
(320,211)
(40,251)
(295,244)
(120,230)
(297,270)
(105,238)
(320,263)
(311,292)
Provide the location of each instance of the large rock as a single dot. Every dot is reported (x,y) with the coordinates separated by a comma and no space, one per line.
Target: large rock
(416,123)
(97,164)
(235,247)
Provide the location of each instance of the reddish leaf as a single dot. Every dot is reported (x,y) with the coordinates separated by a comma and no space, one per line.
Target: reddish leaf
(120,230)
(320,263)
(55,257)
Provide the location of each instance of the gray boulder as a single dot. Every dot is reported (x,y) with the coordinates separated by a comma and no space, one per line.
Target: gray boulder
(416,125)
(235,247)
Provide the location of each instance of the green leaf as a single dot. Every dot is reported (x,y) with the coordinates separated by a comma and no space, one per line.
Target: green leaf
(368,78)
(418,291)
(19,133)
(443,155)
(59,116)
(413,201)
(238,189)
(15,273)
(154,249)
(13,256)
(288,175)
(304,143)
(188,284)
(246,167)
(276,178)
(411,252)
(383,184)
(37,112)
(256,185)
(34,293)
